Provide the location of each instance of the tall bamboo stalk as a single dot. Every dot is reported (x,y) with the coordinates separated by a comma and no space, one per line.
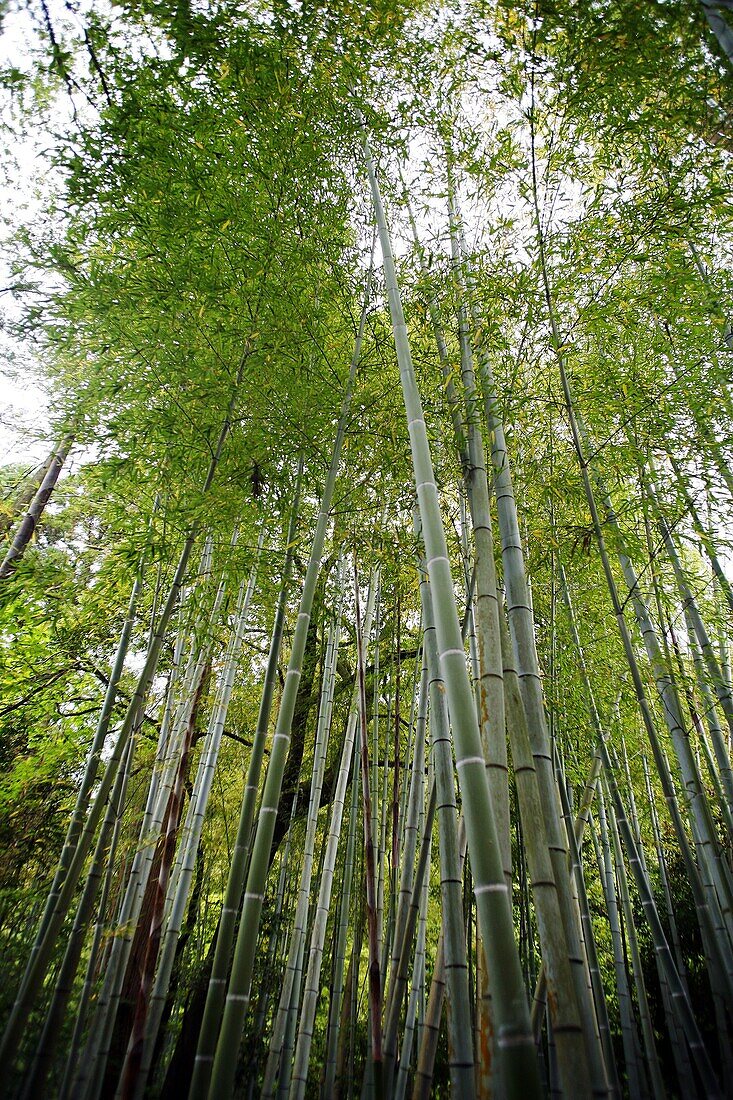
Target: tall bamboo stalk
(90,773)
(406,944)
(375,975)
(634,1070)
(518,1070)
(157,834)
(116,810)
(31,519)
(23,492)
(664,956)
(521,625)
(146,1036)
(58,907)
(279,1056)
(706,906)
(652,1060)
(318,932)
(242,844)
(239,990)
(337,987)
(702,533)
(411,823)
(567,1030)
(418,982)
(35,1081)
(453,938)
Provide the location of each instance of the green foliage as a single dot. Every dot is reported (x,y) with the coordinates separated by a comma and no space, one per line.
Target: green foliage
(201,261)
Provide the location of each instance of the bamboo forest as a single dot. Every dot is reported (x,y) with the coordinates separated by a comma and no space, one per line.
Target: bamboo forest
(366,691)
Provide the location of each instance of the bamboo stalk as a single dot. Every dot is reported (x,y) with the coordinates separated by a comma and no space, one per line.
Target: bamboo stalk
(238,867)
(31,519)
(199,803)
(279,1055)
(318,932)
(239,990)
(330,1083)
(453,936)
(652,1060)
(375,976)
(518,1066)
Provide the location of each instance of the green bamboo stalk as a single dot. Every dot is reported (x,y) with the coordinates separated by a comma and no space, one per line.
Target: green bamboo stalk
(482,1015)
(156,891)
(411,822)
(356,954)
(76,821)
(423,1085)
(238,993)
(518,1066)
(705,905)
(132,894)
(375,750)
(395,816)
(662,866)
(42,958)
(31,519)
(35,1082)
(652,1060)
(337,987)
(575,832)
(637,1085)
(242,844)
(694,791)
(485,639)
(375,973)
(711,715)
(318,932)
(88,779)
(184,853)
(276,937)
(680,1049)
(455,963)
(38,965)
(521,625)
(704,441)
(407,773)
(677,989)
(190,843)
(714,761)
(633,815)
(702,534)
(567,1030)
(165,778)
(345,1029)
(279,1054)
(23,492)
(665,960)
(406,947)
(99,928)
(719,26)
(487,614)
(722,690)
(599,998)
(428,1046)
(457,414)
(418,979)
(382,851)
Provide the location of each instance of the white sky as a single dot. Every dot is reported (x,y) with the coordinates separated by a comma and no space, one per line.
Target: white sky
(24,174)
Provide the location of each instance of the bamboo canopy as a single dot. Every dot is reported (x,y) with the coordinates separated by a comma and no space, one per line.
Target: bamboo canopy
(366,703)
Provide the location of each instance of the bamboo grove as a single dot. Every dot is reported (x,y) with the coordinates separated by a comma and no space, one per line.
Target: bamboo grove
(366,703)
